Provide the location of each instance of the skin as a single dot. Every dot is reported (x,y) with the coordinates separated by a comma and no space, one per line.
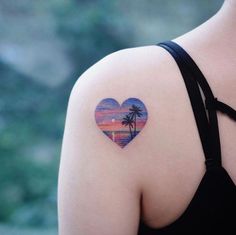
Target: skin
(100,184)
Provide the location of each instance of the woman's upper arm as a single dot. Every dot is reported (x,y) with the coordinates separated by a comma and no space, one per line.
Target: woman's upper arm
(98,189)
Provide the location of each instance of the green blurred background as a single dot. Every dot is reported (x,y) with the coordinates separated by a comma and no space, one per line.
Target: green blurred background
(44,47)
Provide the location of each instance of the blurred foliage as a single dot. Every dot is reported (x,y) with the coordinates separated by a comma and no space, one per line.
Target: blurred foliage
(42,41)
(15,230)
(28,174)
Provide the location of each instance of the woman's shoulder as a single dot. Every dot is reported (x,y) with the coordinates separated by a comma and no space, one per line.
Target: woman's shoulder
(129,70)
(134,98)
(146,77)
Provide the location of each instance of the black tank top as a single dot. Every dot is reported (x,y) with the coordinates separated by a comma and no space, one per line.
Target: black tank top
(212,209)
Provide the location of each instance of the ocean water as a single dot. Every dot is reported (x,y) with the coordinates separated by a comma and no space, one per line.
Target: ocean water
(122,138)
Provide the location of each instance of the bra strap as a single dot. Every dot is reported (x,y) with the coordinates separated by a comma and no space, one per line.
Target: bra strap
(208,130)
(222,107)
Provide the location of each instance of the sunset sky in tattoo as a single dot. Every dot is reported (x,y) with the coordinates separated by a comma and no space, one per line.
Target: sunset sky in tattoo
(121,123)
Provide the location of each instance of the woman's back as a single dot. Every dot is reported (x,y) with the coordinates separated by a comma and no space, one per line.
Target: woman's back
(215,56)
(165,163)
(210,206)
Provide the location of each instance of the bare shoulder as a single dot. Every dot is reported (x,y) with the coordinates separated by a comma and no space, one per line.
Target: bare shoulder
(145,78)
(147,74)
(132,60)
(118,131)
(132,72)
(142,76)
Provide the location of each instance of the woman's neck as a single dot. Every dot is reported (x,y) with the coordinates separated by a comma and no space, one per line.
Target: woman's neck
(213,44)
(218,30)
(227,15)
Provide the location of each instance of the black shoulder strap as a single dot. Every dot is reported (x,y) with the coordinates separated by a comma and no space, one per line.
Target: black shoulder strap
(224,108)
(210,101)
(208,130)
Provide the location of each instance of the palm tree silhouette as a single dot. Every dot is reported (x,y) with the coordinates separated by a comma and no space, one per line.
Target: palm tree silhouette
(128,121)
(135,111)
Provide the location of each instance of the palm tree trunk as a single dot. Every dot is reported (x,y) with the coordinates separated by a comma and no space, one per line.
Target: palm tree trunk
(130,132)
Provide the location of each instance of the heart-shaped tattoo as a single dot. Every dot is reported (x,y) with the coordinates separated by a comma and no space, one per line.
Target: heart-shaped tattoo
(121,123)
